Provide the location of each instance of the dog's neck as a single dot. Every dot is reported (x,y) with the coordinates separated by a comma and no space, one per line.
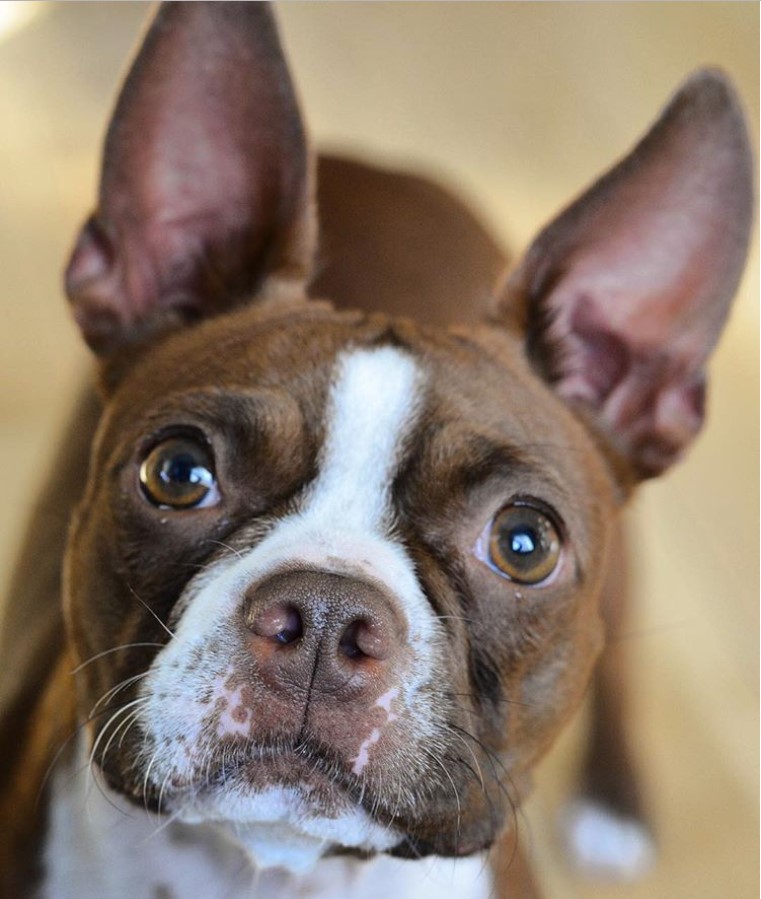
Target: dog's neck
(96,837)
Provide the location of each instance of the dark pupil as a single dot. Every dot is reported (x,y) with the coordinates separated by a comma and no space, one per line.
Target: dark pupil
(182,468)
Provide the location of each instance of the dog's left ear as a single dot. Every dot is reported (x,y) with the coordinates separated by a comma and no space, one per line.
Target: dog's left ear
(623,296)
(205,195)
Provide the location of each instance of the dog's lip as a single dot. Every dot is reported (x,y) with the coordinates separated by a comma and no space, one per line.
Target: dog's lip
(308,785)
(274,793)
(297,765)
(286,763)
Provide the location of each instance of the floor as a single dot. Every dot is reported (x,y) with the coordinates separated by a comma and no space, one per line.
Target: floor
(519,105)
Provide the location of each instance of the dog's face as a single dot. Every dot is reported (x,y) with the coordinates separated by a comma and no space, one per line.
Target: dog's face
(355,623)
(335,577)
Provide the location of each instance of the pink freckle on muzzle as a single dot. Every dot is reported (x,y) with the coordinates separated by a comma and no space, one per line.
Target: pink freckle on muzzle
(363,756)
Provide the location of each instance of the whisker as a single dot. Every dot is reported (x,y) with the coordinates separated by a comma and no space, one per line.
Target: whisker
(475,760)
(162,826)
(495,761)
(122,685)
(146,778)
(443,767)
(149,610)
(113,649)
(503,701)
(226,546)
(164,784)
(56,757)
(122,710)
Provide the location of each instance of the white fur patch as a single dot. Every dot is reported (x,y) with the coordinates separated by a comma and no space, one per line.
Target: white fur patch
(606,845)
(342,527)
(99,847)
(234,718)
(372,406)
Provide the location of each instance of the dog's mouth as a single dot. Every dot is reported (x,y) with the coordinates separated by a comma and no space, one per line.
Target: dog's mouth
(301,765)
(286,804)
(291,802)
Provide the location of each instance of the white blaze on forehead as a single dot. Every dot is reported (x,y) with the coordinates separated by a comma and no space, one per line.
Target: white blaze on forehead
(372,407)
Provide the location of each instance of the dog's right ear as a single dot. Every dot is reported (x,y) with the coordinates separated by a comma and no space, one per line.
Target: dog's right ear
(205,197)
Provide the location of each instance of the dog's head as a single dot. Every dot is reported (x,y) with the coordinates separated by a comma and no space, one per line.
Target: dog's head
(334,580)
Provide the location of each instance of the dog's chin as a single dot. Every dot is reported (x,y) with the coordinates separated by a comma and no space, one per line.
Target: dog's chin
(287,822)
(281,844)
(284,827)
(288,809)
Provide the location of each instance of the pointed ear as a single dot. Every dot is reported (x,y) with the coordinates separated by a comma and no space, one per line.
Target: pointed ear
(205,195)
(623,296)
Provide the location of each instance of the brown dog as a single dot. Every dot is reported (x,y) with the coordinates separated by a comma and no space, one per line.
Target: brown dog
(336,579)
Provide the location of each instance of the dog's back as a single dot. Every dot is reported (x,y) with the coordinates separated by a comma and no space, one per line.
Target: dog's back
(397,243)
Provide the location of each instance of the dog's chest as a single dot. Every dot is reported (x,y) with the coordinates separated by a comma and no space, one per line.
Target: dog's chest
(100,847)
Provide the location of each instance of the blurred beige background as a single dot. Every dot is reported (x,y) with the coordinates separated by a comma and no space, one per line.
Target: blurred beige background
(519,105)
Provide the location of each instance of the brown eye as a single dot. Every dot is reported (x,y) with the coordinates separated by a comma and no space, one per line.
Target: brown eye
(179,473)
(524,544)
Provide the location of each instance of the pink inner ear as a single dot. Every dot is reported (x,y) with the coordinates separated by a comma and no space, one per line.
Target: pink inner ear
(629,288)
(205,189)
(652,405)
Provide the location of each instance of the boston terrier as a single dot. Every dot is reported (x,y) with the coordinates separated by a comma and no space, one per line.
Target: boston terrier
(326,562)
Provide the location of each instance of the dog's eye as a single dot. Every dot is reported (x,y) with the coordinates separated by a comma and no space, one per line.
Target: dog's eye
(524,544)
(179,473)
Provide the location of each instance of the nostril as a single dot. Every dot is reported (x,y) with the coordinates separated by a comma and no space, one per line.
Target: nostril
(279,622)
(292,630)
(348,642)
(364,639)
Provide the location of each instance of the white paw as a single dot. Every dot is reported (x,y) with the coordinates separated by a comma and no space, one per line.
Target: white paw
(603,844)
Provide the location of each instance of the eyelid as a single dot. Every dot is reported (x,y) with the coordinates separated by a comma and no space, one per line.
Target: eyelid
(175,432)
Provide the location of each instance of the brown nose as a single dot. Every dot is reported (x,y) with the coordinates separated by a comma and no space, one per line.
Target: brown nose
(313,630)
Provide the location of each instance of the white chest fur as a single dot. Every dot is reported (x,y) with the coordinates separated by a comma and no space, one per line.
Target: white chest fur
(100,847)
